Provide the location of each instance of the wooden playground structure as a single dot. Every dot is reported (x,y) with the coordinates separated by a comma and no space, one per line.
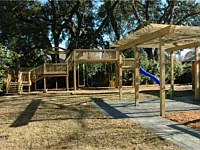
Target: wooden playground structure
(167,38)
(28,76)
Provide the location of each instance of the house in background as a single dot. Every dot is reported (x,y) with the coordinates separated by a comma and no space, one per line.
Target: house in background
(192,60)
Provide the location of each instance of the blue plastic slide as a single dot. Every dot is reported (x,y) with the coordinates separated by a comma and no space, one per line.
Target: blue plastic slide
(142,71)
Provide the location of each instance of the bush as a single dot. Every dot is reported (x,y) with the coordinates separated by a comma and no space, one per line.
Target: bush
(186,76)
(153,67)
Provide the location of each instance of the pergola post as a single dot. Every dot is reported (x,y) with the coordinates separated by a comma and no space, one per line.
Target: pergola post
(120,75)
(137,76)
(74,70)
(116,75)
(172,69)
(67,82)
(45,83)
(162,77)
(196,74)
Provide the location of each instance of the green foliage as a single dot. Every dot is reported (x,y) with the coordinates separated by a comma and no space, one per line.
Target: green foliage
(5,63)
(153,67)
(186,76)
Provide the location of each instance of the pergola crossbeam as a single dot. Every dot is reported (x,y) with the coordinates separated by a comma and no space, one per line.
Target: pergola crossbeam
(181,47)
(165,37)
(148,37)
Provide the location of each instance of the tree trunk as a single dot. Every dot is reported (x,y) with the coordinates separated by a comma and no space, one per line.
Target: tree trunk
(149,53)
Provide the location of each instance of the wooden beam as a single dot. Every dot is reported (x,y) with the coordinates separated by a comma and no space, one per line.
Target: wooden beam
(74,70)
(172,70)
(162,78)
(67,82)
(75,87)
(45,83)
(196,74)
(90,60)
(116,75)
(181,47)
(148,37)
(120,75)
(137,75)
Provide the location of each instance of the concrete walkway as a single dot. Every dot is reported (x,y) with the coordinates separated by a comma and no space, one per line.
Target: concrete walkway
(147,115)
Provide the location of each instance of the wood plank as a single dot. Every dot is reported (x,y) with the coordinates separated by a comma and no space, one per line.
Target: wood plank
(95,60)
(196,74)
(137,75)
(45,83)
(74,76)
(181,47)
(120,75)
(116,75)
(172,70)
(67,82)
(147,37)
(162,78)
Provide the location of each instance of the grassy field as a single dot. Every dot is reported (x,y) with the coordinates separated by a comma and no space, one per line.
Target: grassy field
(64,121)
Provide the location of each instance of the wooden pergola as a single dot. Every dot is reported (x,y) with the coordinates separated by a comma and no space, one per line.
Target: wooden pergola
(167,38)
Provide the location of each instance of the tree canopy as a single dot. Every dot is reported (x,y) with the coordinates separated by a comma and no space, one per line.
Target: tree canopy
(29,27)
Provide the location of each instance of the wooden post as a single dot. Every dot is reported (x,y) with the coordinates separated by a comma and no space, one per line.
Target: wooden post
(172,70)
(133,79)
(56,83)
(29,82)
(74,70)
(35,85)
(45,83)
(44,72)
(120,75)
(137,75)
(162,77)
(196,83)
(67,82)
(116,75)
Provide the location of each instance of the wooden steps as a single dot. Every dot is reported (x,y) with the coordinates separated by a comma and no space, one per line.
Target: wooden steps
(13,88)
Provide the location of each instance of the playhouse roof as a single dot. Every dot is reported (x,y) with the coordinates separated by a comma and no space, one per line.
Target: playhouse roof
(175,37)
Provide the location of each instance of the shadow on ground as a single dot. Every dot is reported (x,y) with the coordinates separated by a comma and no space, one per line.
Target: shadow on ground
(27,114)
(111,111)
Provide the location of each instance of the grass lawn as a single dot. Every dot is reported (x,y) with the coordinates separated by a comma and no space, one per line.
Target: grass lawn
(61,121)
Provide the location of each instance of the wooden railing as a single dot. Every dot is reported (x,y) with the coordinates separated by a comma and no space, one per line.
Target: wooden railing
(20,83)
(90,54)
(37,72)
(55,68)
(26,78)
(69,61)
(128,61)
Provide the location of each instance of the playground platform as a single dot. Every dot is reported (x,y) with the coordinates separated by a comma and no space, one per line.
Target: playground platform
(147,115)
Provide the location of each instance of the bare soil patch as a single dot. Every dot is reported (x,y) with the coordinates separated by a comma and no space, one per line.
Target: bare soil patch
(63,121)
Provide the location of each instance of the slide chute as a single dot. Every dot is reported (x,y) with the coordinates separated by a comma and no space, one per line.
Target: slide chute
(142,71)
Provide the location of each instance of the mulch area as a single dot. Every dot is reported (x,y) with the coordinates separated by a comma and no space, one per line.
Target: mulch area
(190,118)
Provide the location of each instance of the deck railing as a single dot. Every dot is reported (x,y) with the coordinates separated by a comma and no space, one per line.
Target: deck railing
(26,78)
(55,68)
(20,83)
(128,61)
(8,80)
(37,72)
(90,54)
